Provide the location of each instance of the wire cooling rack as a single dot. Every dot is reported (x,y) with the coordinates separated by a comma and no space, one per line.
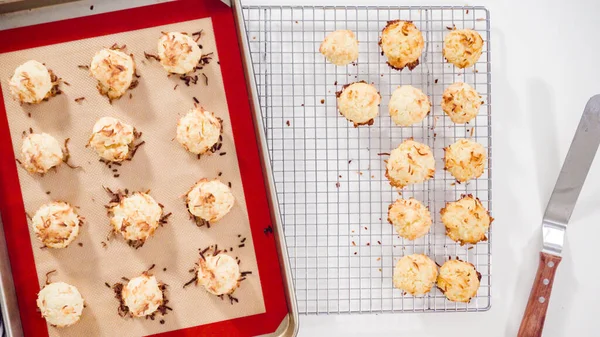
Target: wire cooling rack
(329,176)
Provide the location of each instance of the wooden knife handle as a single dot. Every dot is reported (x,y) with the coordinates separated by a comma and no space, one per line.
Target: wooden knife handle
(535,312)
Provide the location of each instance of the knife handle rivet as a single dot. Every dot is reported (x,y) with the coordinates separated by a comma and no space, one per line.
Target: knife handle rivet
(542,299)
(546,281)
(550,264)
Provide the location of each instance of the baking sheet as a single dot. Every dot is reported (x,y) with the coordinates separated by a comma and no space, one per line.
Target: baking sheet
(161,165)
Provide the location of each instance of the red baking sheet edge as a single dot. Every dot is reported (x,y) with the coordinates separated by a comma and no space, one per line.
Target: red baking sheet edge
(11,200)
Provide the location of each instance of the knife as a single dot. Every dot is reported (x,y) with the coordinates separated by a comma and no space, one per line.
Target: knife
(558,212)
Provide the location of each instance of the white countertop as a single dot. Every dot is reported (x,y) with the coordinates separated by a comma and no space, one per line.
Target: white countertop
(545,66)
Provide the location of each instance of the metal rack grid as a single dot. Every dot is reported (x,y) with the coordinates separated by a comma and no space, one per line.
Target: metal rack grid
(329,176)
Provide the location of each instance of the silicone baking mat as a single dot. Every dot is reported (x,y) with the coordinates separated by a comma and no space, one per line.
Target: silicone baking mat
(161,165)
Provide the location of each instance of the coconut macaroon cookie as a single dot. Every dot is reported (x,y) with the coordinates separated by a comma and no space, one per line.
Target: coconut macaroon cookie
(415,274)
(465,159)
(402,43)
(113,139)
(56,224)
(359,103)
(199,130)
(219,274)
(340,47)
(142,295)
(60,304)
(462,47)
(40,152)
(410,163)
(408,105)
(461,102)
(210,200)
(32,83)
(114,71)
(178,52)
(136,217)
(466,220)
(458,280)
(410,218)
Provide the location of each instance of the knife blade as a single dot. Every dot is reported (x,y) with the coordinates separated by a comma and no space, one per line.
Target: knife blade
(558,213)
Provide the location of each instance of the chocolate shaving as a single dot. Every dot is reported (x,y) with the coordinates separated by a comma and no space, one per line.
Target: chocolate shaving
(86,67)
(205,78)
(191,281)
(196,100)
(232,299)
(383,154)
(79,99)
(48,276)
(67,155)
(149,56)
(268,230)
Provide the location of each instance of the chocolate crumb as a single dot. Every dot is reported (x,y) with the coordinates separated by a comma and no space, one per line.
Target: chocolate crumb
(220,174)
(268,230)
(222,153)
(107,285)
(80,244)
(47,192)
(322,101)
(229,184)
(287,123)
(436,80)
(242,245)
(162,321)
(92,7)
(196,100)
(337,184)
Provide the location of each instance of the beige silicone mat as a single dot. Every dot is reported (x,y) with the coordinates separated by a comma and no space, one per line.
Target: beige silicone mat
(161,165)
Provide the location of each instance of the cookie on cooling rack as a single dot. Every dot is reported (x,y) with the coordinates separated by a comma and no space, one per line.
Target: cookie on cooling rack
(199,131)
(32,83)
(114,71)
(466,220)
(340,47)
(461,102)
(359,103)
(458,280)
(465,159)
(410,163)
(462,47)
(402,43)
(408,105)
(415,274)
(209,200)
(113,139)
(60,304)
(56,224)
(40,152)
(410,218)
(178,52)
